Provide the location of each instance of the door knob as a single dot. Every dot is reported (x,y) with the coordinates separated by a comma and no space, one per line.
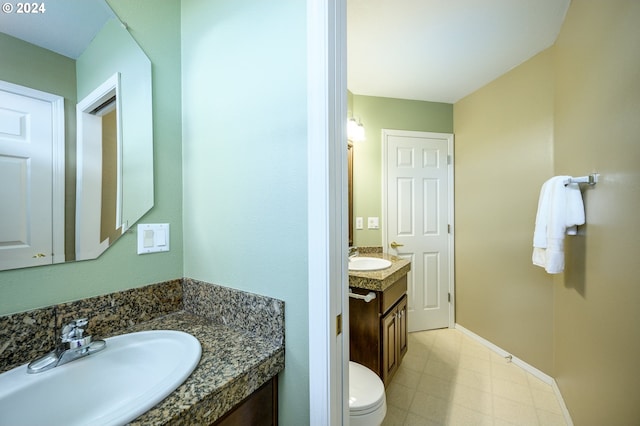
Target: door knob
(395,245)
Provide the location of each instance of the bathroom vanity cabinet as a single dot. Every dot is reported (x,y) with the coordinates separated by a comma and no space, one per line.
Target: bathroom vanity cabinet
(378,329)
(258,409)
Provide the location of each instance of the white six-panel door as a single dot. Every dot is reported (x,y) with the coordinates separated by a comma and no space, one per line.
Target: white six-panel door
(418,220)
(27,131)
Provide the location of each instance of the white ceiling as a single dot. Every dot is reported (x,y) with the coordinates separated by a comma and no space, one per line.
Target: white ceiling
(65,27)
(443,50)
(430,50)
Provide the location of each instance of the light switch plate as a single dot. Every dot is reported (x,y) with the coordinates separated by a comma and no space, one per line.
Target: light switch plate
(153,237)
(373,223)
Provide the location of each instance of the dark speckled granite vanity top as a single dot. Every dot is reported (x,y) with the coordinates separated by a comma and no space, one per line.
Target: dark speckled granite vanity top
(232,366)
(241,335)
(379,280)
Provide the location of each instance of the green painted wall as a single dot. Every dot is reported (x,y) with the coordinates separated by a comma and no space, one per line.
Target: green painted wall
(32,66)
(156,27)
(385,113)
(245,163)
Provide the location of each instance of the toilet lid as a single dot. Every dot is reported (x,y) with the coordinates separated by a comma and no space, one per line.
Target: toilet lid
(366,390)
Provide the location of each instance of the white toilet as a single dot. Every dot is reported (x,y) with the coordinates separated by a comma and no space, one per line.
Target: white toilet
(367,401)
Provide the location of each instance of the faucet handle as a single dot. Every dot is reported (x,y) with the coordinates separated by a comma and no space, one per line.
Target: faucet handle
(74,329)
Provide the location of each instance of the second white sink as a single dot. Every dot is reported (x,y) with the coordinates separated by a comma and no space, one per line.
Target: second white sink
(111,387)
(368,264)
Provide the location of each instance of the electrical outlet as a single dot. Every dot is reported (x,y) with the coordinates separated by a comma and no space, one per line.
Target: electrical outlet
(359,223)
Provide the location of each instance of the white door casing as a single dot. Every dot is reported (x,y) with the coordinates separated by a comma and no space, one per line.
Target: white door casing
(418,216)
(89,244)
(327,213)
(31,177)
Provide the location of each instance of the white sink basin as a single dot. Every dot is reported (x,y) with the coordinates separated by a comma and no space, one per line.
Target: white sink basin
(111,387)
(368,264)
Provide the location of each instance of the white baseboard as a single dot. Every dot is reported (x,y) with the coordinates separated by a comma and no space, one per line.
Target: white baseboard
(563,407)
(522,364)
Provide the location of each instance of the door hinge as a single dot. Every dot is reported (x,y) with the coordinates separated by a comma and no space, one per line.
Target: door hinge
(449,297)
(448,160)
(449,228)
(338,324)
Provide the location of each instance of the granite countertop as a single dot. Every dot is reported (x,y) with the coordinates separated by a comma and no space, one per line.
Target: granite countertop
(380,280)
(241,335)
(233,365)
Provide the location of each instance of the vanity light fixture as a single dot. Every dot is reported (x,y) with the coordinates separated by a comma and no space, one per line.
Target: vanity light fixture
(355,131)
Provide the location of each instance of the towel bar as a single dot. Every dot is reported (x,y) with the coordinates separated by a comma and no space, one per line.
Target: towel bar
(367,298)
(591,179)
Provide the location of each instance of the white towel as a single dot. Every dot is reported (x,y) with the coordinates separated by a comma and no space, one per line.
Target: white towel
(560,210)
(575,208)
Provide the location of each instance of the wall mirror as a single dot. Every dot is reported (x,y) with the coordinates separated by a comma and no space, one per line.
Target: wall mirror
(76,138)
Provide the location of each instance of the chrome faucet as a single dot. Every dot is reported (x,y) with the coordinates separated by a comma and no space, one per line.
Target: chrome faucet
(353,252)
(73,344)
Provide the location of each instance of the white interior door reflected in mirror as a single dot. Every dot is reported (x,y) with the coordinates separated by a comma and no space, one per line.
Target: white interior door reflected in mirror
(31,177)
(99,170)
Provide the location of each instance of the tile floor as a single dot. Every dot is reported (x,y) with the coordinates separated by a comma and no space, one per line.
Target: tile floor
(447,378)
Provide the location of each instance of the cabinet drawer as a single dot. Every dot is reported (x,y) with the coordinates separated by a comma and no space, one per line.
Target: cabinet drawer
(392,294)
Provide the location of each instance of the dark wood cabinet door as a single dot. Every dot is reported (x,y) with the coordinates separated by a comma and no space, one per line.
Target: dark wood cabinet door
(258,409)
(389,345)
(402,327)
